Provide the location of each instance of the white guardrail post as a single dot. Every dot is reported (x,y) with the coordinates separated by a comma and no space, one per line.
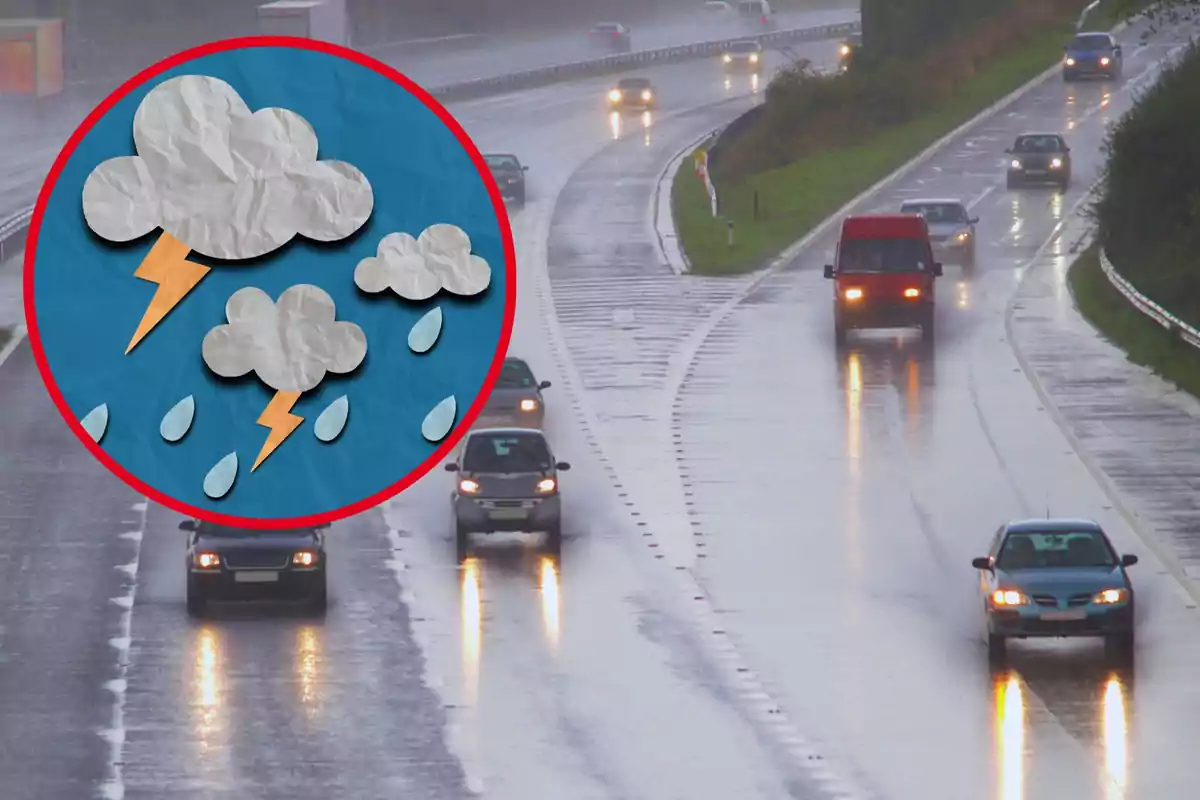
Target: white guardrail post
(1151,309)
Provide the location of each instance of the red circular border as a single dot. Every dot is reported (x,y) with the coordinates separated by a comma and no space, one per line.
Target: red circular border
(510,271)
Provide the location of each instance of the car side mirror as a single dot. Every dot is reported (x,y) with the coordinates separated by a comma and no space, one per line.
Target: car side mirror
(829,271)
(562,466)
(544,385)
(524,169)
(974,220)
(188,525)
(1008,150)
(451,467)
(1128,560)
(937,270)
(1117,49)
(983,562)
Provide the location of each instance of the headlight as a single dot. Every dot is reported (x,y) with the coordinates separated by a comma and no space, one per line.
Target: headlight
(1105,61)
(1008,597)
(547,485)
(845,50)
(646,95)
(1070,61)
(754,58)
(963,236)
(912,293)
(529,405)
(207,560)
(468,486)
(614,95)
(1015,163)
(1055,163)
(304,558)
(728,58)
(1111,597)
(853,294)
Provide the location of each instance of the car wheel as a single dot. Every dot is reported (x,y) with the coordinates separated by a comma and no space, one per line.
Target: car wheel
(553,544)
(462,541)
(319,602)
(519,199)
(839,334)
(1119,646)
(1010,182)
(997,648)
(1065,184)
(927,326)
(1068,78)
(196,604)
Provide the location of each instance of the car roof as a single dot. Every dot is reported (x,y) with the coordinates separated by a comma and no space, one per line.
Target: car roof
(1038,133)
(514,429)
(876,226)
(633,82)
(933,201)
(745,43)
(608,25)
(1057,525)
(515,360)
(1079,34)
(500,155)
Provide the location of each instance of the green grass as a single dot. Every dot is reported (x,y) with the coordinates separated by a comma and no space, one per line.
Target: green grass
(1145,342)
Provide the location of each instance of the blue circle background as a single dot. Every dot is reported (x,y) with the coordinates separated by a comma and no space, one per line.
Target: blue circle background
(88,302)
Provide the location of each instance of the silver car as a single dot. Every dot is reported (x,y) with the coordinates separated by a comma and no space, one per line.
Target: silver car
(951,228)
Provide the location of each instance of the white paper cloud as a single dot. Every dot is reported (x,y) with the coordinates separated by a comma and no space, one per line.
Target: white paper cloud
(289,344)
(416,269)
(226,182)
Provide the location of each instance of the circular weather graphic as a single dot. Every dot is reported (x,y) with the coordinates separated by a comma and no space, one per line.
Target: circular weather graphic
(269,282)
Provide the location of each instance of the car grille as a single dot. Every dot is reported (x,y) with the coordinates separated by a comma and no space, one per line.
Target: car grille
(256,559)
(1073,601)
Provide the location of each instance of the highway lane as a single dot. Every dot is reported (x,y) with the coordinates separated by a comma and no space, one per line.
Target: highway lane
(285,706)
(842,495)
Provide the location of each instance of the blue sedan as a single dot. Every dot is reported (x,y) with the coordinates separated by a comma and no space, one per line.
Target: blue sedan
(1056,578)
(1096,54)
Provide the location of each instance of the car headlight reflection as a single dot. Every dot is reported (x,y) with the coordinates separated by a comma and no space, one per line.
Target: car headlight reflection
(1008,597)
(614,95)
(529,405)
(547,485)
(1015,163)
(853,294)
(1056,163)
(207,560)
(1110,597)
(304,558)
(468,486)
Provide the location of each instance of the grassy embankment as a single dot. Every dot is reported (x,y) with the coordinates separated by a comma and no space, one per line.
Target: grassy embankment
(844,134)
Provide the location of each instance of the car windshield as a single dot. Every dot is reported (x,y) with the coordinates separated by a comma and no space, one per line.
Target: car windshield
(750,8)
(633,83)
(502,162)
(1038,144)
(883,255)
(515,375)
(1055,549)
(507,452)
(211,531)
(744,47)
(1091,41)
(607,27)
(937,213)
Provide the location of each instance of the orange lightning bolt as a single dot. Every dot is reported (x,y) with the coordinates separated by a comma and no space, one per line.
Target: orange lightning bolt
(166,264)
(277,417)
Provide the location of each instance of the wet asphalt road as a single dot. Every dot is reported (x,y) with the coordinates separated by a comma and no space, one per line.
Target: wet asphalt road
(589,677)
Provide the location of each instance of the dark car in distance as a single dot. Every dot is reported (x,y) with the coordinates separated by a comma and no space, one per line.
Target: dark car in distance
(1092,55)
(1039,158)
(847,50)
(507,481)
(516,399)
(509,174)
(227,564)
(632,93)
(610,37)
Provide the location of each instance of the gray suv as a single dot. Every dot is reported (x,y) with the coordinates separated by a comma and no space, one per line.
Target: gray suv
(507,481)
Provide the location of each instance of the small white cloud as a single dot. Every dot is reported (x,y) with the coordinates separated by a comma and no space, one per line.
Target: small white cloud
(290,344)
(417,269)
(227,182)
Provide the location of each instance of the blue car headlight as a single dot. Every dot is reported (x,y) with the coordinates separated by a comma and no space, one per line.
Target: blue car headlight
(1111,597)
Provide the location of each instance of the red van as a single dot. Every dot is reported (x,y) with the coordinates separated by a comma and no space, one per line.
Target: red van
(883,274)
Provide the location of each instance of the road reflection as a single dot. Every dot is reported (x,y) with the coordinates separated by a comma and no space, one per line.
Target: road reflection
(551,601)
(207,688)
(962,295)
(1009,717)
(471,617)
(308,669)
(1116,739)
(617,123)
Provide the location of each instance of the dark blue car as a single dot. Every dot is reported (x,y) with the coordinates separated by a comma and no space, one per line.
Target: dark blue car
(1056,578)
(1092,55)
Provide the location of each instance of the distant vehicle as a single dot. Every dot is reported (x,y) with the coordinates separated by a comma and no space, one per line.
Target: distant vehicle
(747,56)
(847,50)
(507,481)
(757,14)
(1092,54)
(633,93)
(716,8)
(611,37)
(230,564)
(516,399)
(883,274)
(1039,158)
(509,174)
(951,229)
(1055,578)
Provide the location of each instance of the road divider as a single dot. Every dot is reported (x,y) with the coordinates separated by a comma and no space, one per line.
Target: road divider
(1173,324)
(12,234)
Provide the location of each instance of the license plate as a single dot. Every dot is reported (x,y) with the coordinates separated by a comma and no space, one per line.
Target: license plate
(256,576)
(1063,616)
(508,513)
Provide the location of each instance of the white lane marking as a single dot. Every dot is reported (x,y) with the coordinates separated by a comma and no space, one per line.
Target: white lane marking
(113,786)
(979,198)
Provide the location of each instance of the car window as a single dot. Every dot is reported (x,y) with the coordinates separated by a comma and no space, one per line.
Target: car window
(1091,41)
(935,213)
(883,255)
(744,47)
(502,162)
(1051,549)
(751,8)
(507,452)
(211,531)
(515,375)
(1039,144)
(633,83)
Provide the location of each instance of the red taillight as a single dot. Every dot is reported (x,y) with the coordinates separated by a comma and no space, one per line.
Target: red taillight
(616,34)
(764,20)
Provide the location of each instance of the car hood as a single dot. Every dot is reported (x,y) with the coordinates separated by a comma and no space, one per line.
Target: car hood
(506,397)
(1089,53)
(1063,581)
(274,541)
(507,174)
(947,228)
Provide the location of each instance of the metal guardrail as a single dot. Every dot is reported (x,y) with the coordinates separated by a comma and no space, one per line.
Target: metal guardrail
(12,234)
(541,76)
(1151,309)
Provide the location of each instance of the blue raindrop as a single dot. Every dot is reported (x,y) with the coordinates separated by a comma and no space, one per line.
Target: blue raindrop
(178,421)
(96,422)
(220,478)
(440,420)
(425,332)
(332,421)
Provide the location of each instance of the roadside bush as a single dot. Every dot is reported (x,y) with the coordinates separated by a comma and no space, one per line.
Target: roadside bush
(807,112)
(1148,209)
